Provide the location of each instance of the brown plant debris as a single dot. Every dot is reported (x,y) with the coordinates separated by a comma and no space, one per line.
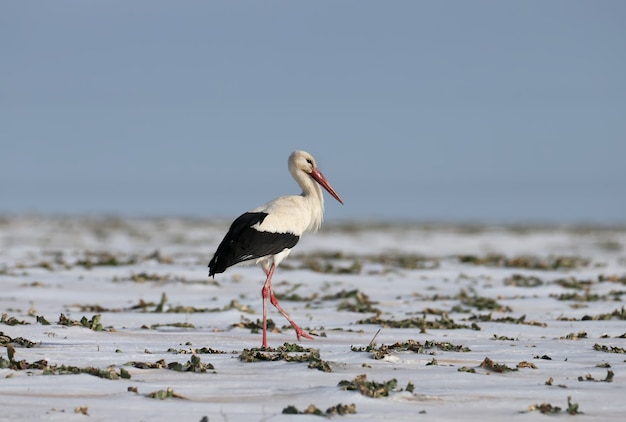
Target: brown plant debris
(507,319)
(198,351)
(256,327)
(289,352)
(165,394)
(82,410)
(550,381)
(573,283)
(612,278)
(526,364)
(619,314)
(406,261)
(339,409)
(608,349)
(443,323)
(587,296)
(108,373)
(528,262)
(354,301)
(544,357)
(496,367)
(42,320)
(6,340)
(545,408)
(548,409)
(503,338)
(410,346)
(369,388)
(93,323)
(93,259)
(575,336)
(521,280)
(193,365)
(94,308)
(6,319)
(609,377)
(322,263)
(481,303)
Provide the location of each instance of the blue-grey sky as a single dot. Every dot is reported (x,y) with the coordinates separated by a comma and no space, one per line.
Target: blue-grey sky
(444,110)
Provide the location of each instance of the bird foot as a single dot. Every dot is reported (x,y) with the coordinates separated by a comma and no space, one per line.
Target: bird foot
(300,332)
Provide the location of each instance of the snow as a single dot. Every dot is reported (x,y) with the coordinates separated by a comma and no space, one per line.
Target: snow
(43,273)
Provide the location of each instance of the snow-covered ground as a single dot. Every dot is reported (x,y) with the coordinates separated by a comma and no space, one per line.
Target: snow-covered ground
(472,322)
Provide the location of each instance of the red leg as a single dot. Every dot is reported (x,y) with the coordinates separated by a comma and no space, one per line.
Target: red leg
(299,331)
(265,293)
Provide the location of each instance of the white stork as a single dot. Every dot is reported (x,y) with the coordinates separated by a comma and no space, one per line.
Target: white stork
(266,234)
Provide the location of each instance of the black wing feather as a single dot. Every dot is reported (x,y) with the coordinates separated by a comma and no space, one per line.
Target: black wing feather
(244,243)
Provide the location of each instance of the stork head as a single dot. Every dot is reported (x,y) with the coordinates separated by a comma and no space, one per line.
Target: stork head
(302,161)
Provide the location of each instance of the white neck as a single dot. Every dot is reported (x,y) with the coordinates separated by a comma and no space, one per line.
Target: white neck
(312,193)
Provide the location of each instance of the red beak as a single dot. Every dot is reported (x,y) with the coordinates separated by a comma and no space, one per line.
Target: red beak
(319,178)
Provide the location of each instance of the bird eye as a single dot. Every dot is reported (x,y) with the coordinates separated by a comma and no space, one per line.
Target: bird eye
(309,161)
